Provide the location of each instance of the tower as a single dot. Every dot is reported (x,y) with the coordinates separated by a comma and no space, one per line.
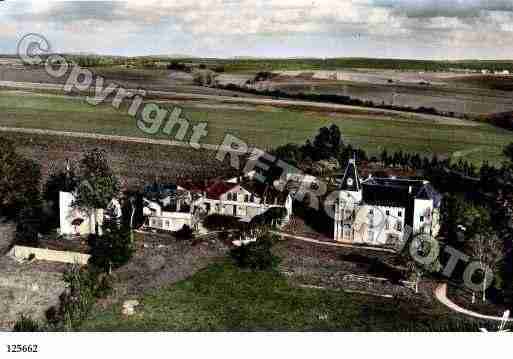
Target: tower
(349,198)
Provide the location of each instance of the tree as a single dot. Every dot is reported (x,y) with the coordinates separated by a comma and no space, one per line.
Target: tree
(28,226)
(19,180)
(97,183)
(489,251)
(113,249)
(204,77)
(508,152)
(256,255)
(327,143)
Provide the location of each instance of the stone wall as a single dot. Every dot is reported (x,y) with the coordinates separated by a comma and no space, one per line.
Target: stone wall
(21,252)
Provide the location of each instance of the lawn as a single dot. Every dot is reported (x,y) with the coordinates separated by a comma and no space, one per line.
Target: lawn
(265,127)
(225,298)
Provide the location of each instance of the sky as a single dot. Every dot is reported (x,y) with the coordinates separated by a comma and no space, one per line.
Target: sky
(416,29)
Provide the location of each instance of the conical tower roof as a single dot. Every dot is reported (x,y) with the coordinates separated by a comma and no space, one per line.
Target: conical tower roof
(351,180)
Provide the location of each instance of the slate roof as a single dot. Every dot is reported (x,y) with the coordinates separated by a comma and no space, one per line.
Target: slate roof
(399,193)
(158,191)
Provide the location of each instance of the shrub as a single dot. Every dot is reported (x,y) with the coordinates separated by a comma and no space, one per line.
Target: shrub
(20,181)
(113,249)
(26,324)
(256,255)
(78,299)
(185,232)
(204,77)
(221,222)
(27,227)
(84,286)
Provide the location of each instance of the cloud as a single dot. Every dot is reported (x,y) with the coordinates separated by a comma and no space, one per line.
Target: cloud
(232,27)
(445,8)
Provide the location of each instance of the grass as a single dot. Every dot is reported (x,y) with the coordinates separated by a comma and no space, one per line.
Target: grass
(265,128)
(225,298)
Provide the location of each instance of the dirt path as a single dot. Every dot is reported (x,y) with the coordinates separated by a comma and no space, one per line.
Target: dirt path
(96,136)
(441,296)
(333,244)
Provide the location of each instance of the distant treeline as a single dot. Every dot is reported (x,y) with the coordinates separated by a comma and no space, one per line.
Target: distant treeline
(503,120)
(341,100)
(256,64)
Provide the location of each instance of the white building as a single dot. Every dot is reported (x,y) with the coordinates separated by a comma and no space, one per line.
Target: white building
(245,200)
(381,211)
(74,221)
(170,208)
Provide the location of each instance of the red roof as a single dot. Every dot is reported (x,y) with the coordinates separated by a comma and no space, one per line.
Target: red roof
(217,189)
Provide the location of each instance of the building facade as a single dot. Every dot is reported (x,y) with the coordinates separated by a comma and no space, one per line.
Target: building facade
(384,211)
(171,207)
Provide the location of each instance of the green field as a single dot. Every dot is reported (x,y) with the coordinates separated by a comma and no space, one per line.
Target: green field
(270,64)
(225,298)
(265,126)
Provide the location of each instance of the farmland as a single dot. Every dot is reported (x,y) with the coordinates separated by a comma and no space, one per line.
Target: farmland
(266,126)
(225,298)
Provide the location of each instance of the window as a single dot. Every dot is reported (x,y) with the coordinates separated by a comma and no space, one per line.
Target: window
(228,196)
(399,226)
(399,214)
(246,198)
(371,212)
(234,197)
(421,219)
(387,213)
(421,230)
(387,225)
(167,224)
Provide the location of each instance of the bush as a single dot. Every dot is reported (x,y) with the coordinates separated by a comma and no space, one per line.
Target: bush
(256,255)
(26,324)
(221,222)
(185,232)
(20,181)
(204,77)
(27,227)
(84,286)
(113,249)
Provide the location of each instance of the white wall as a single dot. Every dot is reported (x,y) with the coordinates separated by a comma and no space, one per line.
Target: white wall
(67,214)
(423,208)
(171,221)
